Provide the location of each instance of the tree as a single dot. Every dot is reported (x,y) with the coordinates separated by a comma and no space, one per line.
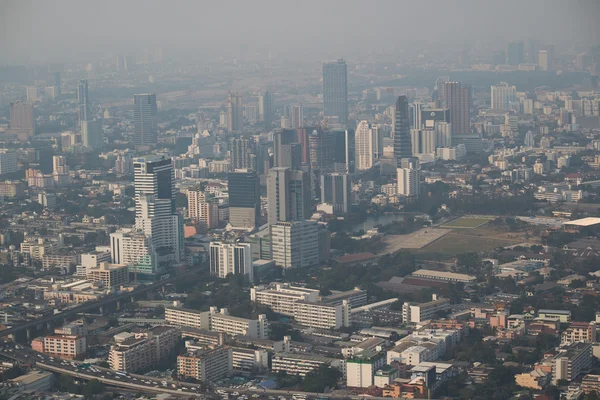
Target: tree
(93,387)
(320,379)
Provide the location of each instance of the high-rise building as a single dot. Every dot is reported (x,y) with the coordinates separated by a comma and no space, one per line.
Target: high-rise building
(423,141)
(235,108)
(155,206)
(402,145)
(144,118)
(295,244)
(515,53)
(231,258)
(543,61)
(297,120)
(83,101)
(499,57)
(244,200)
(503,96)
(345,150)
(241,154)
(335,90)
(91,134)
(409,179)
(290,148)
(457,99)
(21,119)
(265,108)
(368,145)
(288,195)
(34,94)
(201,209)
(336,190)
(8,161)
(321,144)
(57,82)
(415,111)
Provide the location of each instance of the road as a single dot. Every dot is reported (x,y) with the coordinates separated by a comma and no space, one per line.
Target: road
(92,305)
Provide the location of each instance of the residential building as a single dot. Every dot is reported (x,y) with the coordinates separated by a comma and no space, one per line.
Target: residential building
(244,200)
(571,361)
(579,332)
(409,181)
(12,189)
(134,249)
(112,275)
(295,244)
(368,145)
(288,195)
(417,313)
(249,361)
(503,96)
(21,120)
(235,116)
(144,118)
(8,161)
(241,154)
(207,365)
(202,209)
(231,258)
(135,352)
(218,321)
(322,315)
(335,90)
(590,383)
(361,368)
(336,190)
(457,98)
(65,346)
(302,364)
(281,297)
(444,276)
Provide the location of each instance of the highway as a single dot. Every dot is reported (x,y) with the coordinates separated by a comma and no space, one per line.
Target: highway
(143,383)
(93,305)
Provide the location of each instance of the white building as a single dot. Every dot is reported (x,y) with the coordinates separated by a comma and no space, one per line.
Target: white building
(424,141)
(8,161)
(409,182)
(361,369)
(201,210)
(231,258)
(322,315)
(368,145)
(295,244)
(417,313)
(281,297)
(302,364)
(503,96)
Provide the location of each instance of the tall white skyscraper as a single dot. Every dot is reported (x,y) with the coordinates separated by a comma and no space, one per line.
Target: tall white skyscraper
(409,180)
(423,141)
(155,206)
(415,115)
(231,258)
(503,96)
(368,145)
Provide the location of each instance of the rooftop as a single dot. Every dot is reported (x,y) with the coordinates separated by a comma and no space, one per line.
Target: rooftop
(583,222)
(444,274)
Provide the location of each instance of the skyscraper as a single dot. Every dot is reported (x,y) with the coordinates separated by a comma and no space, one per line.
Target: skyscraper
(321,144)
(91,134)
(335,90)
(415,115)
(290,148)
(295,244)
(409,180)
(402,145)
(241,154)
(231,258)
(503,96)
(21,120)
(144,118)
(369,145)
(57,82)
(235,109)
(457,99)
(244,200)
(543,61)
(155,206)
(265,108)
(336,190)
(297,116)
(423,141)
(288,195)
(345,150)
(83,101)
(515,53)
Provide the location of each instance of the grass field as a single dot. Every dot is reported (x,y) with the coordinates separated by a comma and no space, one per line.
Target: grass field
(466,222)
(453,244)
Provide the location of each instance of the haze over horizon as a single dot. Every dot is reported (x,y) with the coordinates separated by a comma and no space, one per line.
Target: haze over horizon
(34,32)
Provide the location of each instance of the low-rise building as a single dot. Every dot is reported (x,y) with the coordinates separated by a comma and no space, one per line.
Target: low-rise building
(444,276)
(321,315)
(564,316)
(591,383)
(112,275)
(417,313)
(579,332)
(281,297)
(571,361)
(361,368)
(302,364)
(207,365)
(34,381)
(536,379)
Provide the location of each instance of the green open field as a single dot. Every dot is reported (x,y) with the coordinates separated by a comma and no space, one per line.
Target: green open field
(466,222)
(472,240)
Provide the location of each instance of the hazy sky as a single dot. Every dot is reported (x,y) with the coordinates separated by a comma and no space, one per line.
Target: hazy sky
(52,30)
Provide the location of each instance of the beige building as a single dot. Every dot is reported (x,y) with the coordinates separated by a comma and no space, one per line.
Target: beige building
(113,275)
(65,346)
(535,379)
(417,313)
(579,332)
(322,315)
(12,189)
(201,210)
(207,365)
(281,297)
(135,352)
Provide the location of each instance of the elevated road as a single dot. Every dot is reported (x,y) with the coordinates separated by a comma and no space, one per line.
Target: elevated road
(93,305)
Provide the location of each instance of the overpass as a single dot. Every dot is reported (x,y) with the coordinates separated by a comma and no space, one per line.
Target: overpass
(93,305)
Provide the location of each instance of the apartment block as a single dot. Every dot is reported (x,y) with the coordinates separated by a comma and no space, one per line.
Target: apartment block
(579,332)
(135,352)
(218,321)
(64,346)
(281,297)
(417,313)
(356,297)
(590,383)
(361,369)
(302,364)
(571,361)
(207,365)
(321,315)
(112,275)
(12,189)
